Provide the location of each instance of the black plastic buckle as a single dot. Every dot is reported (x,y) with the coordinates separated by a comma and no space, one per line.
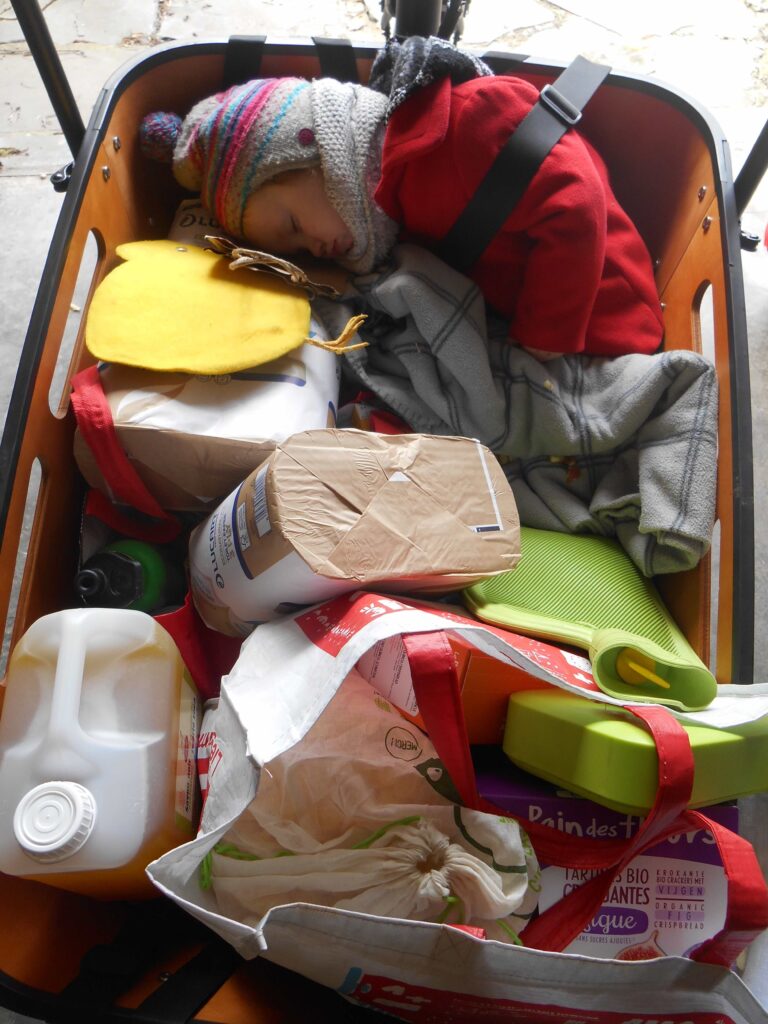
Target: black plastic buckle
(748,241)
(60,179)
(560,106)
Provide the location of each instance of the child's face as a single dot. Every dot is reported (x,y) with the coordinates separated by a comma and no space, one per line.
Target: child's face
(293,214)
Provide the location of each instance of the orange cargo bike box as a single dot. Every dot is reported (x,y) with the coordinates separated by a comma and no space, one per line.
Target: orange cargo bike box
(66,956)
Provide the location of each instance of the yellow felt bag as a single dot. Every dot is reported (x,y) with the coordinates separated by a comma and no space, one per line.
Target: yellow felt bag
(179,308)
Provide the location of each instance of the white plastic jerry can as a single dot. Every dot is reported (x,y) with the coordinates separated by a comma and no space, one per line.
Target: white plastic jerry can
(98,735)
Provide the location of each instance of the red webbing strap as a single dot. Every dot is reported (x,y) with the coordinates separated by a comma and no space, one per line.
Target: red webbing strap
(208,654)
(94,419)
(561,923)
(122,522)
(436,687)
(747,910)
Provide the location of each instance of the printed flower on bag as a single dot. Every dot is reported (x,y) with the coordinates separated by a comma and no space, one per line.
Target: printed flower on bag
(373,609)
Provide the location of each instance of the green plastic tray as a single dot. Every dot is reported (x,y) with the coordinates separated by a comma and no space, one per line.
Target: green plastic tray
(601,752)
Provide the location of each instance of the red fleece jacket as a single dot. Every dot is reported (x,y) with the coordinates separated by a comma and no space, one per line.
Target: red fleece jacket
(568,268)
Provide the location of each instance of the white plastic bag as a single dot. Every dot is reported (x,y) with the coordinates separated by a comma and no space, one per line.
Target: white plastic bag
(358,816)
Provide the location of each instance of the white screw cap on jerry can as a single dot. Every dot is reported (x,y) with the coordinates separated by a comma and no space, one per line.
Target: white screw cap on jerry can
(53,820)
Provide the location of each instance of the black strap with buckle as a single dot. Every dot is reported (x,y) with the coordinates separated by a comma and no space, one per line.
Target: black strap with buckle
(558,108)
(150,935)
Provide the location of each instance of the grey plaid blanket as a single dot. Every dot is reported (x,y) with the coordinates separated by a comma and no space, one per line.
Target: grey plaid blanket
(623,447)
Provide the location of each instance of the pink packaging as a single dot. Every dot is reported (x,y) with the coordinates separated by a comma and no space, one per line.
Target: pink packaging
(665,903)
(208,750)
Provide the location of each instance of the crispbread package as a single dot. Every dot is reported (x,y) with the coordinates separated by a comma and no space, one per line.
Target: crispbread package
(192,222)
(333,510)
(192,439)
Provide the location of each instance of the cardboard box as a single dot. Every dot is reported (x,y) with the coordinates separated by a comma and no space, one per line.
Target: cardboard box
(193,439)
(337,510)
(666,901)
(486,684)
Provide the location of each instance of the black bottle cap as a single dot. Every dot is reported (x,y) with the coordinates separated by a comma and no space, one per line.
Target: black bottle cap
(109,580)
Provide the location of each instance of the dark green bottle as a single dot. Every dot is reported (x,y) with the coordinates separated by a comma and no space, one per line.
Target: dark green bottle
(131,574)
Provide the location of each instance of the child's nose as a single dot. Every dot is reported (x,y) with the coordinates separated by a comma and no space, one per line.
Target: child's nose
(317,247)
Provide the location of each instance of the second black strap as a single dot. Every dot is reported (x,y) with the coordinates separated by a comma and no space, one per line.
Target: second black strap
(242,60)
(337,59)
(557,109)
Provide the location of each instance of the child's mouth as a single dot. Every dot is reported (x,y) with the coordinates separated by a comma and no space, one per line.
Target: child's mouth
(341,247)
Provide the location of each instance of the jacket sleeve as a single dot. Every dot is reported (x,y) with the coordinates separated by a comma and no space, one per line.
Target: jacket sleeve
(563,216)
(559,224)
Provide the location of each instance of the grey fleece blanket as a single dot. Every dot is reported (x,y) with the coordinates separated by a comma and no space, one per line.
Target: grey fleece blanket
(623,447)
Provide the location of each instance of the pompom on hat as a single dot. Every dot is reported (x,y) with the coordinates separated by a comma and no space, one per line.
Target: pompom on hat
(231,143)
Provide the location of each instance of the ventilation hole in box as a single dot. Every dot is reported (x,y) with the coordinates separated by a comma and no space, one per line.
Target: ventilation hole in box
(704,322)
(21,558)
(58,395)
(704,341)
(714,591)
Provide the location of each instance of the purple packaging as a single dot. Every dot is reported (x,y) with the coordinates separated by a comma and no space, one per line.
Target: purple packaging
(671,898)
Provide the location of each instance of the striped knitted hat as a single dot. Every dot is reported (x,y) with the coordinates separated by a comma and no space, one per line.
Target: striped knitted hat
(231,143)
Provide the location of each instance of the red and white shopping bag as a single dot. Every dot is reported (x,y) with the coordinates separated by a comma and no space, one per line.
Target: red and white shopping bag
(288,672)
(135,512)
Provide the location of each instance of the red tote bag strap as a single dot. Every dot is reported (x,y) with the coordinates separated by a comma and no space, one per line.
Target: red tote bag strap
(123,522)
(94,419)
(436,687)
(208,655)
(747,910)
(561,923)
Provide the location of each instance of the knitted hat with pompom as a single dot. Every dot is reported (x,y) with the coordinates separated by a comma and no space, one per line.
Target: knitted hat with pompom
(231,143)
